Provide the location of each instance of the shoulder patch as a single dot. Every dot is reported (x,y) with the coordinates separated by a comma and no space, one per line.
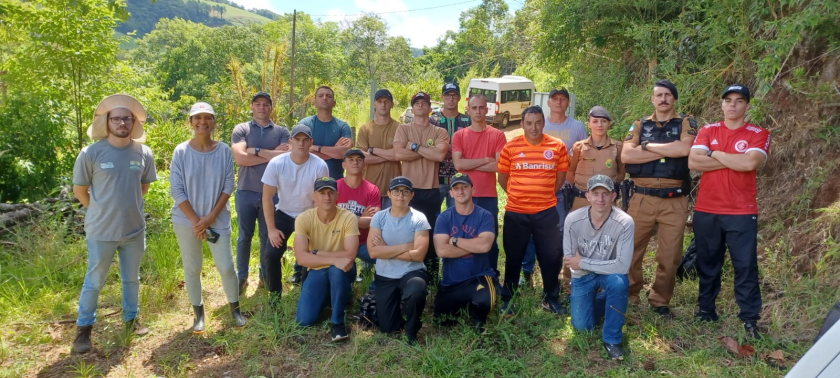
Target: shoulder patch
(693,123)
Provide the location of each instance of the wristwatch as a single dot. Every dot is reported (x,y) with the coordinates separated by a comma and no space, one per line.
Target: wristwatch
(370,151)
(644,145)
(415,147)
(314,251)
(709,154)
(455,241)
(257,151)
(319,148)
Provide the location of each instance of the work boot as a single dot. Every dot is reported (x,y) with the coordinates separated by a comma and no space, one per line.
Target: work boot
(82,343)
(134,326)
(664,311)
(614,351)
(751,327)
(237,315)
(198,325)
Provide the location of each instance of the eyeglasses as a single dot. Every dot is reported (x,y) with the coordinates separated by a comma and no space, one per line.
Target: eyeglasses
(401,192)
(118,120)
(451,95)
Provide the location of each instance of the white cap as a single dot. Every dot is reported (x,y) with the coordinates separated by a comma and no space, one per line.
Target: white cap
(201,107)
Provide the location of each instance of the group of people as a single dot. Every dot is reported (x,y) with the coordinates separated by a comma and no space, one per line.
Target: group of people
(378,198)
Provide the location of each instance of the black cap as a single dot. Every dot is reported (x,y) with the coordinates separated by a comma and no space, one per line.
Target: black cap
(383,93)
(263,95)
(449,87)
(561,91)
(354,151)
(598,111)
(401,181)
(460,177)
(326,182)
(664,83)
(737,88)
(421,95)
(301,128)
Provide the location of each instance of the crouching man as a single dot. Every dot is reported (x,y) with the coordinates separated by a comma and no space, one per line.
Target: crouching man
(326,242)
(598,248)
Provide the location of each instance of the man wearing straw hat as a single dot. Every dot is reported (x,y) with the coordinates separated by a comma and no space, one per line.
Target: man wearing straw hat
(110,178)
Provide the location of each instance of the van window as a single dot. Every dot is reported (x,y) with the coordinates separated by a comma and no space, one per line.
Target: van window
(525,95)
(488,94)
(521,95)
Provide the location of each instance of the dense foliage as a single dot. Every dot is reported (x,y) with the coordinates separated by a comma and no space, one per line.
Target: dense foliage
(58,58)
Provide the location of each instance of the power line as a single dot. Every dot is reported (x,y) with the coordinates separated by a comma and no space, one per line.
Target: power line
(399,11)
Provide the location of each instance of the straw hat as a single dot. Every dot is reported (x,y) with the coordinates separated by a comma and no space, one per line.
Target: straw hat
(99,129)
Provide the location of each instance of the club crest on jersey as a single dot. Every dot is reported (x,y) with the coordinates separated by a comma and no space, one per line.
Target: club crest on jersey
(741,145)
(548,154)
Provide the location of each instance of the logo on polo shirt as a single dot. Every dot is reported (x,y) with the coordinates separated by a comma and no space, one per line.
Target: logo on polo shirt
(548,154)
(741,146)
(714,141)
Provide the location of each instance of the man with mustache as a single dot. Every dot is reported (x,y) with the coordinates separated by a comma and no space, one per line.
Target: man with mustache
(656,156)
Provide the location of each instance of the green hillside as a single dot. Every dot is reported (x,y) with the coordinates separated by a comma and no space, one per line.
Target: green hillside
(238,16)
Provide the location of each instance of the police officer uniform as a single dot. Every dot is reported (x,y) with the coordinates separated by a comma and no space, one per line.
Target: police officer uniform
(659,202)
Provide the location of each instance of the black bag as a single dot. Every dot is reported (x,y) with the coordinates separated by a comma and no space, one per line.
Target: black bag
(688,265)
(367,310)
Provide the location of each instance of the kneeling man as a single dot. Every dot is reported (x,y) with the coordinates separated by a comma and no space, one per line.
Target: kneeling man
(326,242)
(598,247)
(463,237)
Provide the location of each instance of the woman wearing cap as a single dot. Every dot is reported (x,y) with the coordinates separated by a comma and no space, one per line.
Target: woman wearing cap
(202,179)
(398,240)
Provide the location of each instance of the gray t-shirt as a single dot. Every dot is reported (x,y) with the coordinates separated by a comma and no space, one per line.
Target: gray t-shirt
(114,175)
(569,131)
(269,137)
(201,177)
(398,231)
(607,250)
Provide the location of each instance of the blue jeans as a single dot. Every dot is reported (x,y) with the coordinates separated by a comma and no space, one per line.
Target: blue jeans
(531,252)
(100,256)
(249,210)
(588,305)
(332,283)
(491,204)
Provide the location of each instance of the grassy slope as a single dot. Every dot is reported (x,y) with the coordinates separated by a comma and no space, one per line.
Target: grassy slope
(43,268)
(239,16)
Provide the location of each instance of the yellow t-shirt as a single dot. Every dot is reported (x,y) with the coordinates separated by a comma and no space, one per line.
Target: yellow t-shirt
(326,236)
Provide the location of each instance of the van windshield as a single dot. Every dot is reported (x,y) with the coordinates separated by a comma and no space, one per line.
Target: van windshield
(488,94)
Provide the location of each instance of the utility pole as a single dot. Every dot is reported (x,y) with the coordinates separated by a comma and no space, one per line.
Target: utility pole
(292,72)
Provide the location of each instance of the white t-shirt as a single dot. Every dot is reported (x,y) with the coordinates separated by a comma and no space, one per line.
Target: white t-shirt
(295,183)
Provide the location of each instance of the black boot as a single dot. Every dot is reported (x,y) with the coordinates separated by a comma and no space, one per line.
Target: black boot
(82,343)
(198,325)
(237,315)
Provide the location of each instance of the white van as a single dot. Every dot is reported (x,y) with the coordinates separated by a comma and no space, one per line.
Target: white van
(507,97)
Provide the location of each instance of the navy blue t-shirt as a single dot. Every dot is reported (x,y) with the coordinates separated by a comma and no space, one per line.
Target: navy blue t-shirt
(328,134)
(451,223)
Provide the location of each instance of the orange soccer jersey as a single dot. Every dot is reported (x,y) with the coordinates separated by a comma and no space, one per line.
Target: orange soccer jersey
(533,173)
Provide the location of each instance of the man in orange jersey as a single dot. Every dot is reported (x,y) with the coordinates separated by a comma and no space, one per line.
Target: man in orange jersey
(532,168)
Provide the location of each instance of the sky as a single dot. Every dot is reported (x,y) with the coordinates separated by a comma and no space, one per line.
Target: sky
(407,18)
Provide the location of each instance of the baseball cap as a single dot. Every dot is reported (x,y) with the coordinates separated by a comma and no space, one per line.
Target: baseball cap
(354,151)
(737,88)
(460,177)
(419,96)
(326,182)
(399,181)
(301,128)
(201,107)
(263,95)
(600,180)
(383,93)
(561,91)
(598,111)
(664,83)
(448,87)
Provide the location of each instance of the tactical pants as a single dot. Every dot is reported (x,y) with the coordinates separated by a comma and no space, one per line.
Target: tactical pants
(668,217)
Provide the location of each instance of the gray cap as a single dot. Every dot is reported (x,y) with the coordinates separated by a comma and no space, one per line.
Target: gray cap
(599,111)
(600,180)
(301,128)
